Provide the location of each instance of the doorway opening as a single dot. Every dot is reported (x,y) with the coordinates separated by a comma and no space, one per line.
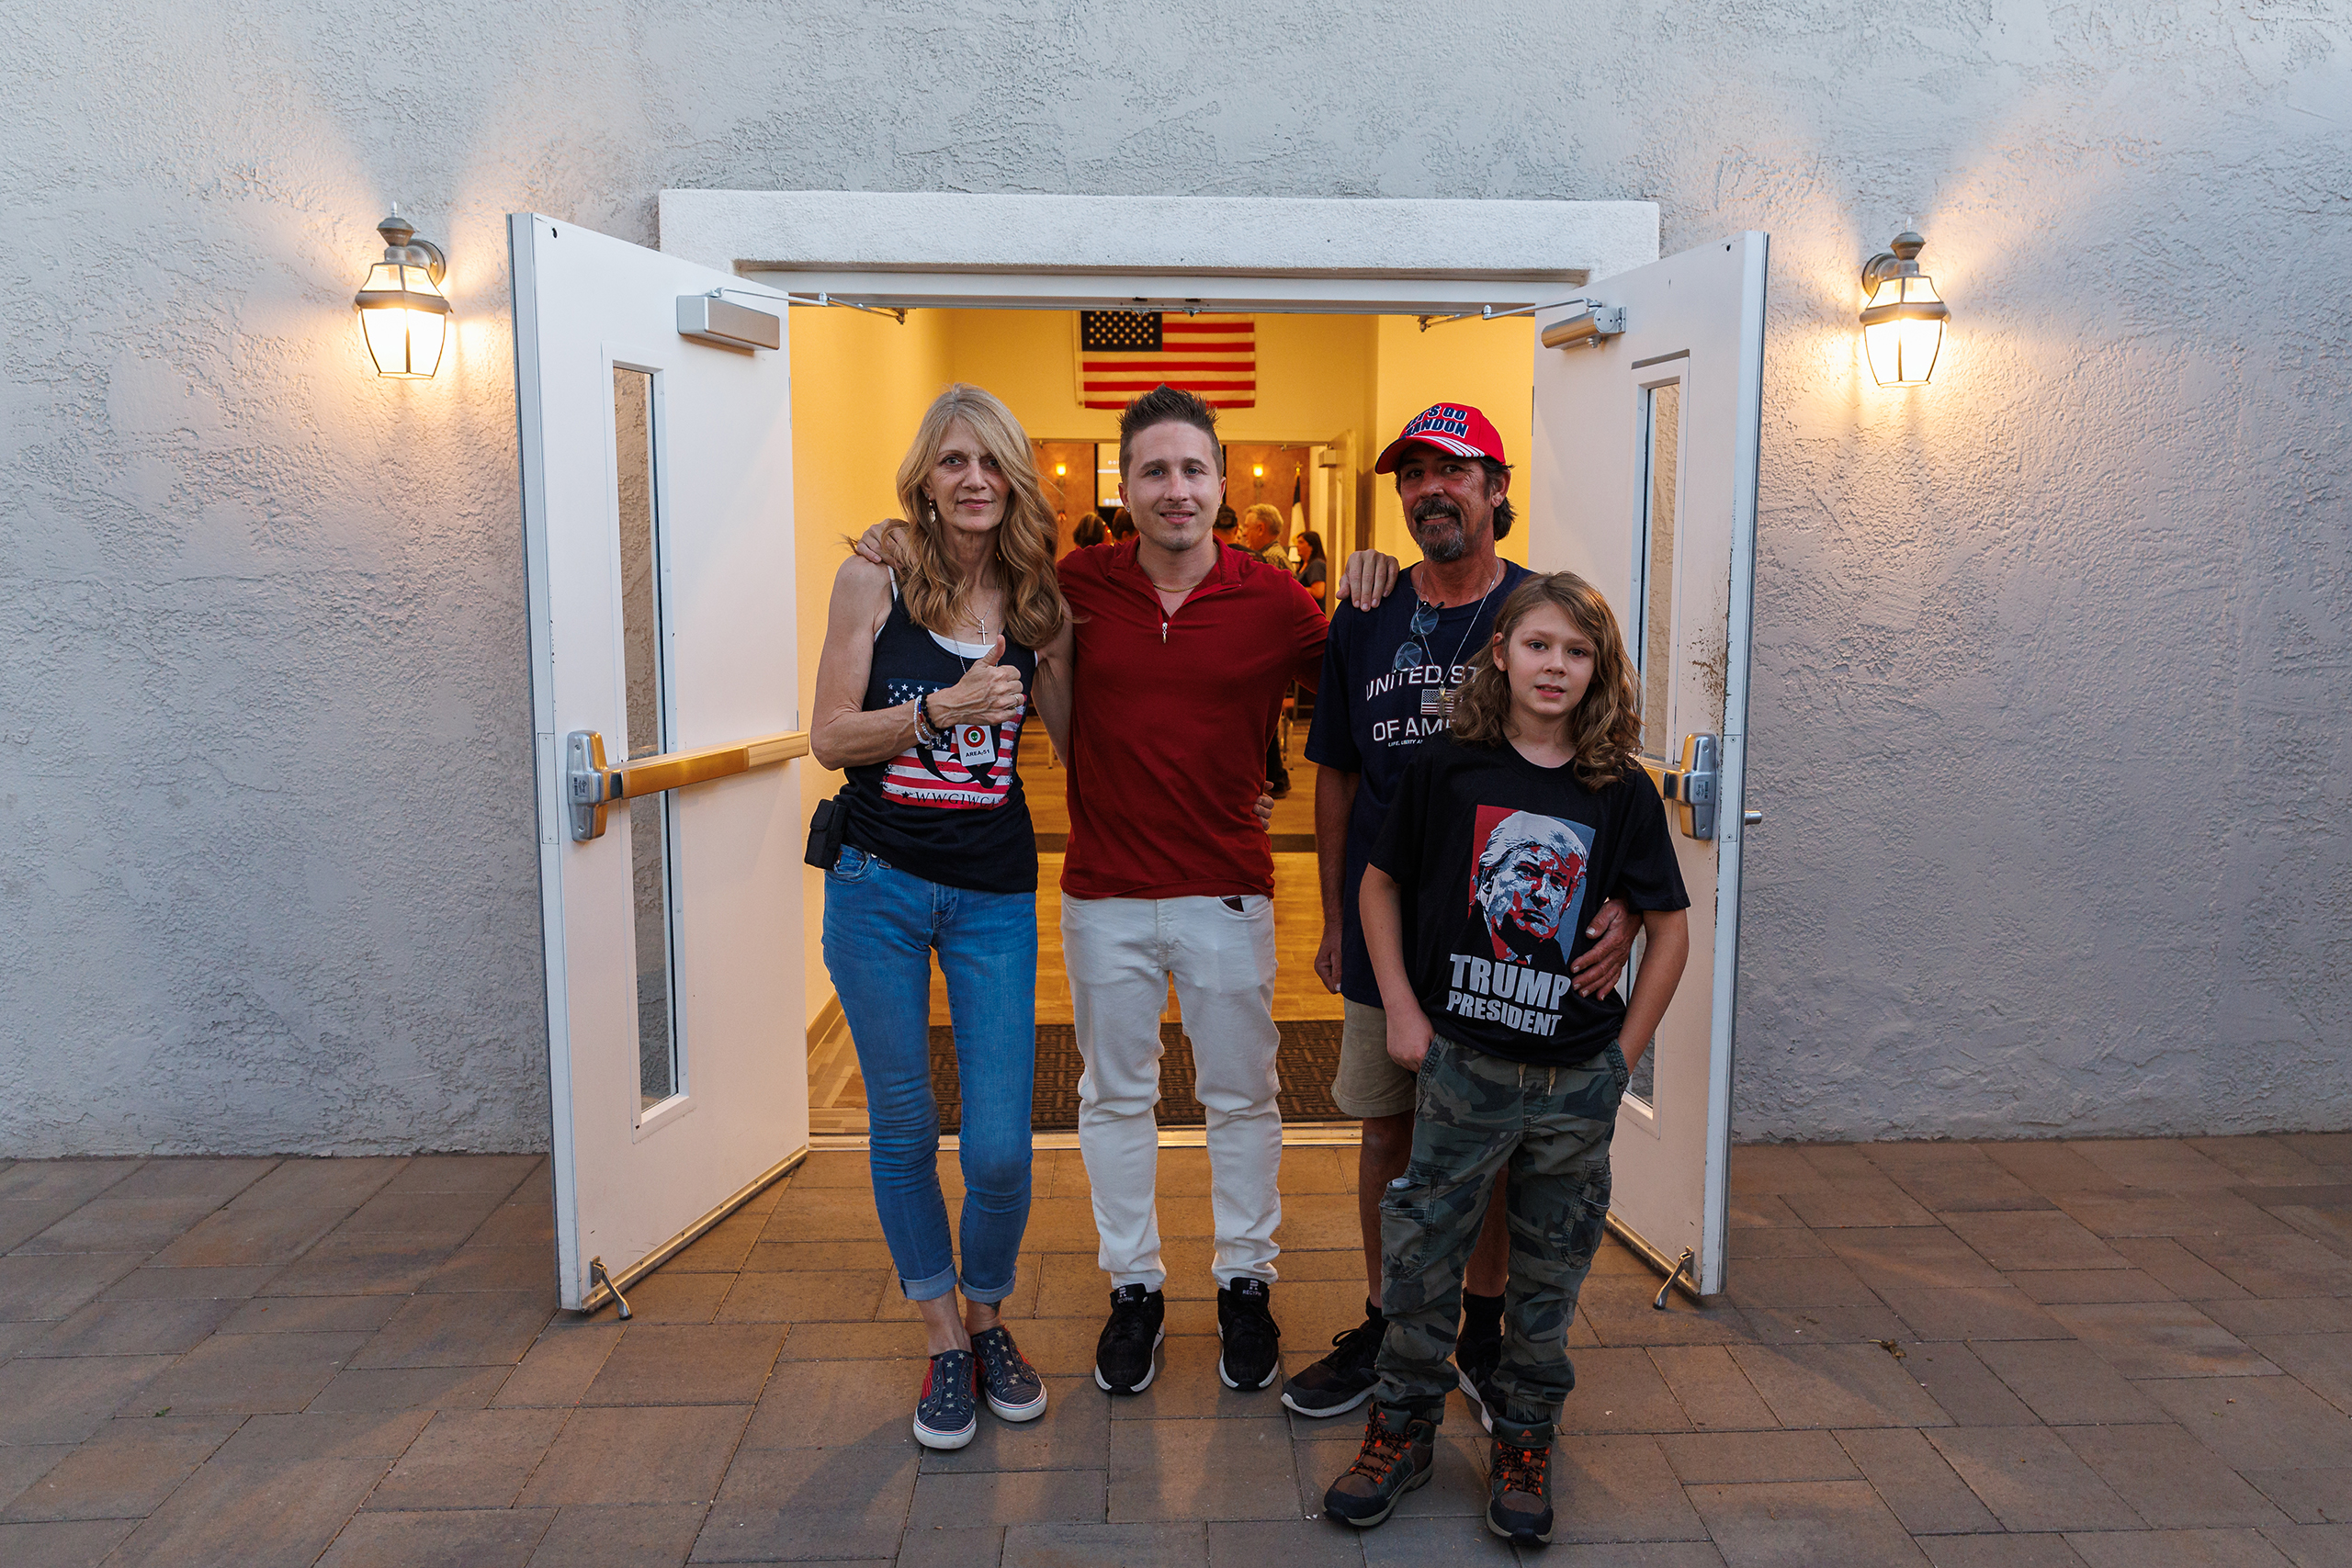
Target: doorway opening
(1330,390)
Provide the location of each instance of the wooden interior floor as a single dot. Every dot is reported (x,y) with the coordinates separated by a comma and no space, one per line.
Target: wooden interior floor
(836,1093)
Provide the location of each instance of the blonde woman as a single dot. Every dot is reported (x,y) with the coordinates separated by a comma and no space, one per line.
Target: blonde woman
(930,669)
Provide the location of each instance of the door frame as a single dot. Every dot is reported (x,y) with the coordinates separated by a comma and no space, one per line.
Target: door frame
(1343,256)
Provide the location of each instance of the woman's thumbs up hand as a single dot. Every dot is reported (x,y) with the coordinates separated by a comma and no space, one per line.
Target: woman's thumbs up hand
(989,692)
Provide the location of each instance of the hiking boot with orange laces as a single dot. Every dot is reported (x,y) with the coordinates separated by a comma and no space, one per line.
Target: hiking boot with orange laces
(1518,1484)
(1398,1455)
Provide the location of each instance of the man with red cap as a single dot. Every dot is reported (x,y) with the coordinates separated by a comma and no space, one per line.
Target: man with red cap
(1389,672)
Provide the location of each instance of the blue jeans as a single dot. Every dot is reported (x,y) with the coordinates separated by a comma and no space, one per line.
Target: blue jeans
(881,926)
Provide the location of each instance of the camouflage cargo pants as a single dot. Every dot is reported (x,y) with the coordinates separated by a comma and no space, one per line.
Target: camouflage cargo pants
(1475,1114)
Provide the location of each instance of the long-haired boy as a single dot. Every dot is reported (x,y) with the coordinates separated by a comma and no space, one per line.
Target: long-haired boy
(1504,836)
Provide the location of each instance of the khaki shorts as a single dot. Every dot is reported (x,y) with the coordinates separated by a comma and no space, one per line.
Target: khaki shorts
(1370,1083)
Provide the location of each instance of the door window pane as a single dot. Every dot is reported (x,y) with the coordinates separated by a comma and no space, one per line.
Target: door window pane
(641,644)
(1106,478)
(1644,1083)
(1661,447)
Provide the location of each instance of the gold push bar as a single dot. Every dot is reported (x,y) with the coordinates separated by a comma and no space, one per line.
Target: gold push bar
(592,784)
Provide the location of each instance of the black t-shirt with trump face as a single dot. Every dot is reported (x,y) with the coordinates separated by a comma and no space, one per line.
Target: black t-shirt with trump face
(1499,865)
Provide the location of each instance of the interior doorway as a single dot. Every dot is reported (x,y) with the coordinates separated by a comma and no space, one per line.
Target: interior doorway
(1329,389)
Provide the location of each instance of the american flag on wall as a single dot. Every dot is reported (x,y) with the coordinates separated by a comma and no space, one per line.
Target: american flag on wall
(1124,353)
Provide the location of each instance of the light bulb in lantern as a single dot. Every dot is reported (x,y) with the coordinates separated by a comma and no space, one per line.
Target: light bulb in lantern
(1903,317)
(402,313)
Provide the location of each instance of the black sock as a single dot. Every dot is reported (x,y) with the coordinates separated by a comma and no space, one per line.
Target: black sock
(1482,1316)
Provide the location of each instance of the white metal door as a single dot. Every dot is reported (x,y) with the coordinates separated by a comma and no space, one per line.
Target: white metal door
(1643,481)
(656,503)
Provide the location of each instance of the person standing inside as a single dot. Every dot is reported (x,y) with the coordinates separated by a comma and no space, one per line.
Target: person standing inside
(1314,572)
(1499,834)
(1183,650)
(1389,675)
(1261,536)
(927,674)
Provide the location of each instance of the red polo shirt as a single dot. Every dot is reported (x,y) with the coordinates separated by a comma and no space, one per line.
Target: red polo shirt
(1171,717)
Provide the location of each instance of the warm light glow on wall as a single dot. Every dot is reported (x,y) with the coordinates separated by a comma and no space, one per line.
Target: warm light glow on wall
(1903,317)
(402,311)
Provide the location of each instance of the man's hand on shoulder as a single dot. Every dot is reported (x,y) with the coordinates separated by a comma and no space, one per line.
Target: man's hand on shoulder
(880,544)
(1367,578)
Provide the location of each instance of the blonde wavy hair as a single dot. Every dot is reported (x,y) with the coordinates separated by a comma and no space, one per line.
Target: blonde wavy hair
(1604,729)
(1034,611)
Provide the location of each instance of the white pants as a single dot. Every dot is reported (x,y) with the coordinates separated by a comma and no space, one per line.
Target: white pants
(1120,953)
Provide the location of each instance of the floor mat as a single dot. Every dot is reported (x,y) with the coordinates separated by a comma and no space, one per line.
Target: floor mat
(1308,1059)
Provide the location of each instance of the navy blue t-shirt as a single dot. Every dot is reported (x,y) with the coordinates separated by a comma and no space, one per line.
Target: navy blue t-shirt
(1378,700)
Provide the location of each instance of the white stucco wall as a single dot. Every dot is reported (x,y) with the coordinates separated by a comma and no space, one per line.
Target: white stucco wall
(2053,655)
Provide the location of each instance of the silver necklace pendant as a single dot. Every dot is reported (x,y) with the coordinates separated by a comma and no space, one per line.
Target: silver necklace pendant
(1441,699)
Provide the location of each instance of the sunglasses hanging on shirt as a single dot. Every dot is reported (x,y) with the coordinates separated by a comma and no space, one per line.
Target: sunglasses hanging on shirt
(1416,653)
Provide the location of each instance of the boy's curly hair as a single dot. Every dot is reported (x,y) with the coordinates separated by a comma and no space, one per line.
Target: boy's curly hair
(1605,728)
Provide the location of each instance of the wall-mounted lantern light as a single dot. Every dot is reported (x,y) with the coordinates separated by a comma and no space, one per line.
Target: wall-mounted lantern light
(402,308)
(1903,319)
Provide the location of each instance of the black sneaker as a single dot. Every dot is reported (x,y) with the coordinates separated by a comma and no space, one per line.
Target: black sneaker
(1253,1345)
(1122,1357)
(1344,1379)
(949,1410)
(1011,1386)
(1519,1487)
(1398,1455)
(1476,1359)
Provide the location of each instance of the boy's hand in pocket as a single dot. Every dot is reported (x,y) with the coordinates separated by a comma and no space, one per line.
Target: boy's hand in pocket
(1409,1037)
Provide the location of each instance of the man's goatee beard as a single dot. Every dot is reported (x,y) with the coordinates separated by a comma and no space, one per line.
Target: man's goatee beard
(1445,548)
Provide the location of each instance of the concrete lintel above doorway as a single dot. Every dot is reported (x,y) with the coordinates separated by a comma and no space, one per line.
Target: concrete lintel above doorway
(1229,253)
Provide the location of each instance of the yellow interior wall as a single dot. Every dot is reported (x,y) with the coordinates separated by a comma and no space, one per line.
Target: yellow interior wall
(1315,375)
(1488,365)
(859,384)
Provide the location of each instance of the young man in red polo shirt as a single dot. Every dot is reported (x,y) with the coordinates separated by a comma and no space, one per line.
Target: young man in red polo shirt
(1184,648)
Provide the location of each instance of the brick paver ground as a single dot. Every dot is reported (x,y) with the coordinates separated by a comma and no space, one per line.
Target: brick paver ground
(2117,1355)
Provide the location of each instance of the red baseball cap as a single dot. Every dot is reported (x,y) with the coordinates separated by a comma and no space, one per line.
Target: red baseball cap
(1449,427)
